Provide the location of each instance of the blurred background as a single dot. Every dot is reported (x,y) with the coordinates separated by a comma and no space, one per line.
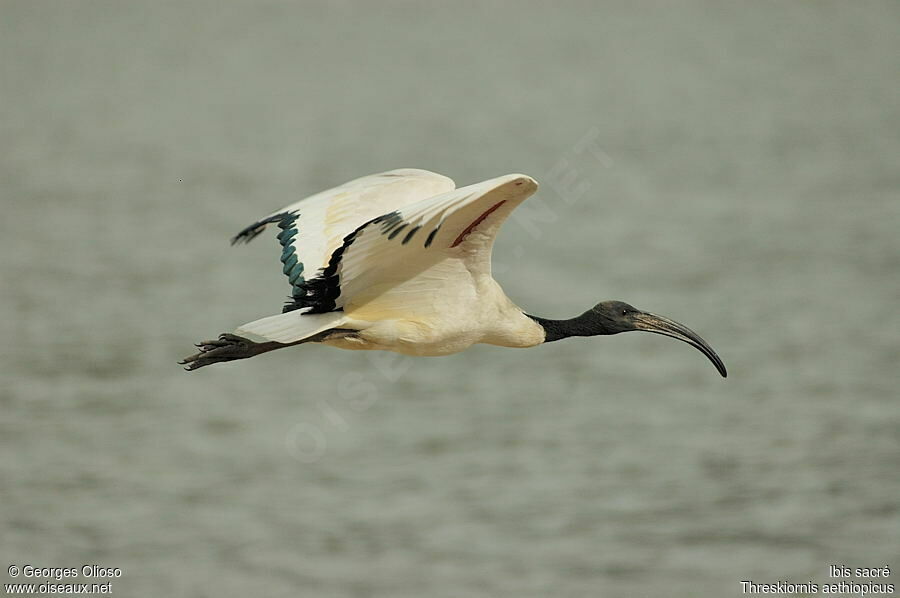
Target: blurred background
(731,165)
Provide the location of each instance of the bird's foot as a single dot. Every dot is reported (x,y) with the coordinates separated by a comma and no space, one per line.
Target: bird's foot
(228,347)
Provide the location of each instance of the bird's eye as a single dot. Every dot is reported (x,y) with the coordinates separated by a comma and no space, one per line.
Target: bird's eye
(624,312)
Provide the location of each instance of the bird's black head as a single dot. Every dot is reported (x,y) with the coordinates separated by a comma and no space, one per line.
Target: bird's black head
(613,317)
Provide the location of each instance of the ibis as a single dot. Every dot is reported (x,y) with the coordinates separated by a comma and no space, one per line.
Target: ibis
(401,261)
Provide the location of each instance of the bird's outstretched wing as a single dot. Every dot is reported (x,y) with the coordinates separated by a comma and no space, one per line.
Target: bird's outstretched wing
(432,242)
(314,227)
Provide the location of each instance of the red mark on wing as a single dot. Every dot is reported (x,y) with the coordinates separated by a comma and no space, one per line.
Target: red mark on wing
(478,221)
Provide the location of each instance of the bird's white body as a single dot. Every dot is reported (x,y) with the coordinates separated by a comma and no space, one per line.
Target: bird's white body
(481,313)
(425,289)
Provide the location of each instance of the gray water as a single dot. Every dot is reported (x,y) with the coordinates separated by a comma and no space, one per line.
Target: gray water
(731,165)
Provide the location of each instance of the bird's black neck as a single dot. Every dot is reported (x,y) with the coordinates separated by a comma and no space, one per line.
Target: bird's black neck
(587,324)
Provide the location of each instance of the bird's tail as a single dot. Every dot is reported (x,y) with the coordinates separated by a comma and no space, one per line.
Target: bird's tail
(289,327)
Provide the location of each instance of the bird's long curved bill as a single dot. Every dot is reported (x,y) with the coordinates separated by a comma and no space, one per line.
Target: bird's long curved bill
(659,325)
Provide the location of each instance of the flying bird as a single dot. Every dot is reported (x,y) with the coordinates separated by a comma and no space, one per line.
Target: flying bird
(401,261)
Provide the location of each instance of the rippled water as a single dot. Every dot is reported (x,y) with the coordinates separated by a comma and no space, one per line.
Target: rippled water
(733,166)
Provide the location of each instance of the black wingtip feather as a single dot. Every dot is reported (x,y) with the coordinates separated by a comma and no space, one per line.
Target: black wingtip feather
(246,235)
(253,231)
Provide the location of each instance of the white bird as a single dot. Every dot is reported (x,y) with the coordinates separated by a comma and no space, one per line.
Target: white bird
(401,261)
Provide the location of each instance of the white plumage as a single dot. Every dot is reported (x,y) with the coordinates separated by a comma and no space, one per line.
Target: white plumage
(411,265)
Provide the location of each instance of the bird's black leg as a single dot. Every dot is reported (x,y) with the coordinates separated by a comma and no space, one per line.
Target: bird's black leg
(230,347)
(227,348)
